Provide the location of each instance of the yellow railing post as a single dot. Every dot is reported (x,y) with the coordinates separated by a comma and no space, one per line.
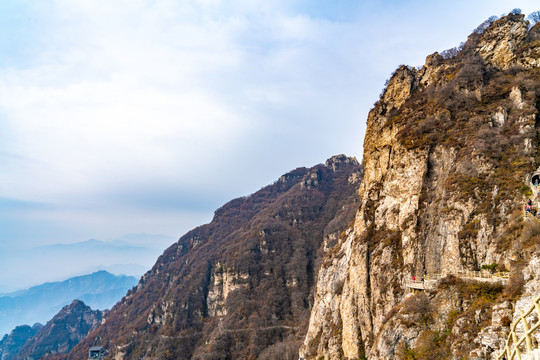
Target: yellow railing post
(512,344)
(516,346)
(526,330)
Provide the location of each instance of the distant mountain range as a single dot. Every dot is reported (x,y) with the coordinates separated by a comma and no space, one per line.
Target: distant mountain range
(132,254)
(100,290)
(154,241)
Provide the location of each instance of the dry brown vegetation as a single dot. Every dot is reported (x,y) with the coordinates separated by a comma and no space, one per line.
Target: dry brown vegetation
(265,241)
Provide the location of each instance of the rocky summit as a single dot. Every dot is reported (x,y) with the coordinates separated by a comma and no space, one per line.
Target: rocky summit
(62,332)
(423,252)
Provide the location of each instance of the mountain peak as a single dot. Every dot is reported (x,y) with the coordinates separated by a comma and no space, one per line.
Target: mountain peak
(40,303)
(64,331)
(11,344)
(504,43)
(337,161)
(76,305)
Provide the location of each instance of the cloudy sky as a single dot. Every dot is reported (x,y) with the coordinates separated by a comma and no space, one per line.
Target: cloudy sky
(144,116)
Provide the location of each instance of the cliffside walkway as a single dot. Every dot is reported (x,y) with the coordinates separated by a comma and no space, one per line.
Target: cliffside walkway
(485,276)
(418,285)
(526,347)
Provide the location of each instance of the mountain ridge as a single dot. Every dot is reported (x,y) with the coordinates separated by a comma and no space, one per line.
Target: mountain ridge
(80,258)
(196,296)
(40,303)
(11,344)
(72,323)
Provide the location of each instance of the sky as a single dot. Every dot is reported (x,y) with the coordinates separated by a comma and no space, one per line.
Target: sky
(143,116)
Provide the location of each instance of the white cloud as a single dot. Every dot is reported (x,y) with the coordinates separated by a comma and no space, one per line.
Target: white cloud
(115,99)
(119,87)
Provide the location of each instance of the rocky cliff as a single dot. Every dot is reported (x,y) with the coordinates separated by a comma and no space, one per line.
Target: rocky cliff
(241,286)
(64,331)
(448,155)
(11,344)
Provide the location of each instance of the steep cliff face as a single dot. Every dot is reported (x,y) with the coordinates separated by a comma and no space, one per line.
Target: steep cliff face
(448,155)
(62,332)
(241,286)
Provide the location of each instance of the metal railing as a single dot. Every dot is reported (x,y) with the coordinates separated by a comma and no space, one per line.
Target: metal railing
(513,344)
(431,279)
(419,285)
(501,275)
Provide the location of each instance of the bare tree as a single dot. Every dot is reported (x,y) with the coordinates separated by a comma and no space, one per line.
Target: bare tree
(534,17)
(483,26)
(450,53)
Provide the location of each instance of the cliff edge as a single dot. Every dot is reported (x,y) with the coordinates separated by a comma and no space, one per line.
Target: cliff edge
(448,155)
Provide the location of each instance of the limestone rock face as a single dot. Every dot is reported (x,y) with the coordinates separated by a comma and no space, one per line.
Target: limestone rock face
(437,196)
(399,88)
(492,338)
(222,283)
(499,45)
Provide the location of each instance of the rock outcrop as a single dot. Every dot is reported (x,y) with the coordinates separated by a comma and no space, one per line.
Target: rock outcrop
(448,154)
(506,44)
(11,344)
(63,332)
